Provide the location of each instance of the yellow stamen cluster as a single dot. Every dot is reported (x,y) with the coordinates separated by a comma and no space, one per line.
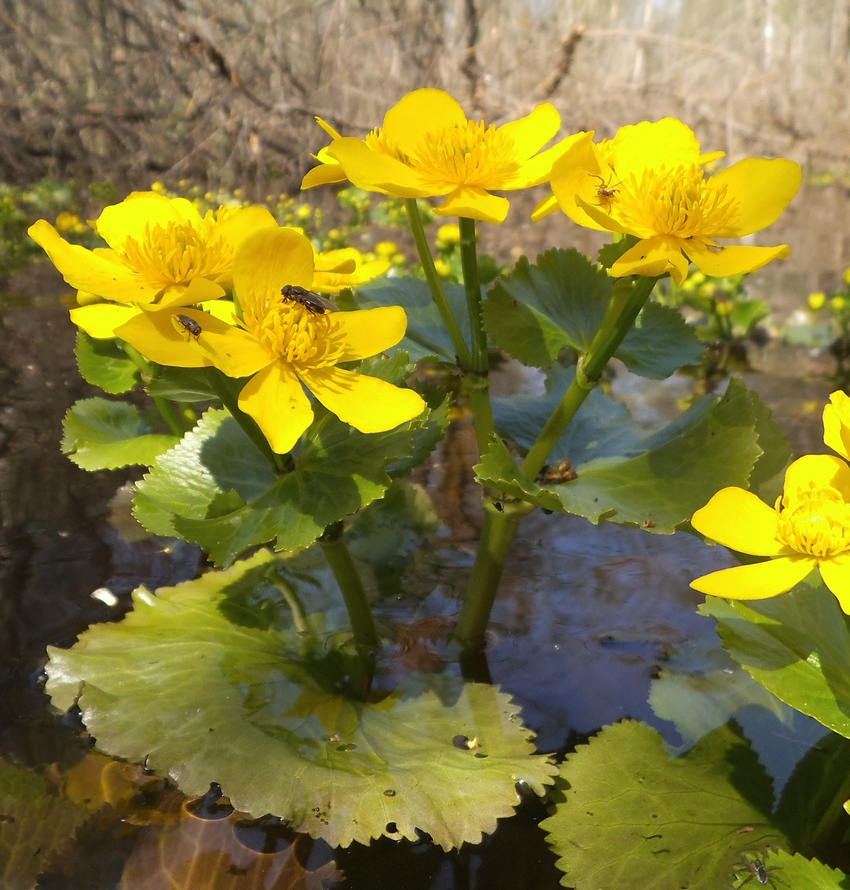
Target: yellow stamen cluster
(815,522)
(179,252)
(472,153)
(677,201)
(289,331)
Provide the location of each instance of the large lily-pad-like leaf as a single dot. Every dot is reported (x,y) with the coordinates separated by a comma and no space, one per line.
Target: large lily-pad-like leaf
(215,490)
(536,311)
(656,482)
(633,817)
(797,645)
(206,691)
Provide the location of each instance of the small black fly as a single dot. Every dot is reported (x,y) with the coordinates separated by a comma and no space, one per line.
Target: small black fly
(189,325)
(313,303)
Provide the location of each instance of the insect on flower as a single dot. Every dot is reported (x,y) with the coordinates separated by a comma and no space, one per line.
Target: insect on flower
(313,303)
(607,189)
(192,328)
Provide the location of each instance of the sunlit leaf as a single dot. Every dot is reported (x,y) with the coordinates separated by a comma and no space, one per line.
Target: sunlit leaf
(630,816)
(182,385)
(35,823)
(104,364)
(797,645)
(781,869)
(188,685)
(536,311)
(104,435)
(658,482)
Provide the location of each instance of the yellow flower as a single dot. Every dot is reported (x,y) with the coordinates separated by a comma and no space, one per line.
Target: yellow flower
(816,300)
(649,181)
(284,346)
(346,267)
(808,528)
(428,148)
(837,304)
(162,254)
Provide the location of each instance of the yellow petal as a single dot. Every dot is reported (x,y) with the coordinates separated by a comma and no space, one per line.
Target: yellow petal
(99,320)
(370,331)
(649,144)
(155,335)
(545,208)
(474,203)
(764,188)
(733,260)
(334,282)
(224,310)
(197,291)
(818,471)
(89,271)
(419,114)
(233,350)
(738,519)
(651,257)
(530,133)
(836,423)
(269,259)
(593,213)
(757,581)
(574,174)
(327,128)
(276,400)
(375,171)
(324,174)
(138,210)
(367,403)
(236,227)
(344,260)
(836,575)
(539,168)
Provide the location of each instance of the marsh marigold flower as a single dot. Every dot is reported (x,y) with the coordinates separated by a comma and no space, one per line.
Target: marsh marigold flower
(284,347)
(808,528)
(161,254)
(650,181)
(428,148)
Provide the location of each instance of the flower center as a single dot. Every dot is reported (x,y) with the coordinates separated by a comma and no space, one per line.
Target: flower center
(470,153)
(677,201)
(289,331)
(816,522)
(180,251)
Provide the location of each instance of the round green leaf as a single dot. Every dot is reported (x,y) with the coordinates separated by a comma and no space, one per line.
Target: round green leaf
(207,683)
(105,364)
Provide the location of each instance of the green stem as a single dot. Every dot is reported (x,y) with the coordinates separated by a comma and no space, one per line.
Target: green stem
(165,408)
(497,533)
(434,282)
(223,388)
(626,302)
(356,603)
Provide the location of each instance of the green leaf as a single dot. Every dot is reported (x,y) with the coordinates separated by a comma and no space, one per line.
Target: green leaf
(189,686)
(631,816)
(426,336)
(534,312)
(797,645)
(35,825)
(337,472)
(103,435)
(784,870)
(657,483)
(105,364)
(182,385)
(700,688)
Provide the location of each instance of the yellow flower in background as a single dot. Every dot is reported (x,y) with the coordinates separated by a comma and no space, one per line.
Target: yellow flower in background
(428,148)
(807,529)
(286,347)
(162,254)
(649,181)
(816,300)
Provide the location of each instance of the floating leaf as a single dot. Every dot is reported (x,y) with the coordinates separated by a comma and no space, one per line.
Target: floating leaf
(536,311)
(105,364)
(658,483)
(797,645)
(182,686)
(35,824)
(104,435)
(633,817)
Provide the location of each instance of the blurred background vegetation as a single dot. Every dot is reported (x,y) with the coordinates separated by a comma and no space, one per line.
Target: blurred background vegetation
(224,92)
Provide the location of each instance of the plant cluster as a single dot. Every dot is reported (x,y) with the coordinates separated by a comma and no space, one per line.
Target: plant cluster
(292,404)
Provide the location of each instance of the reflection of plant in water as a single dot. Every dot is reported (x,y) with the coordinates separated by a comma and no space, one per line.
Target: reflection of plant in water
(288,414)
(725,319)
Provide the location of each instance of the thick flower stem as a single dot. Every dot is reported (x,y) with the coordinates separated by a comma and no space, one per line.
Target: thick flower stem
(624,308)
(165,408)
(497,533)
(230,399)
(356,603)
(433,279)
